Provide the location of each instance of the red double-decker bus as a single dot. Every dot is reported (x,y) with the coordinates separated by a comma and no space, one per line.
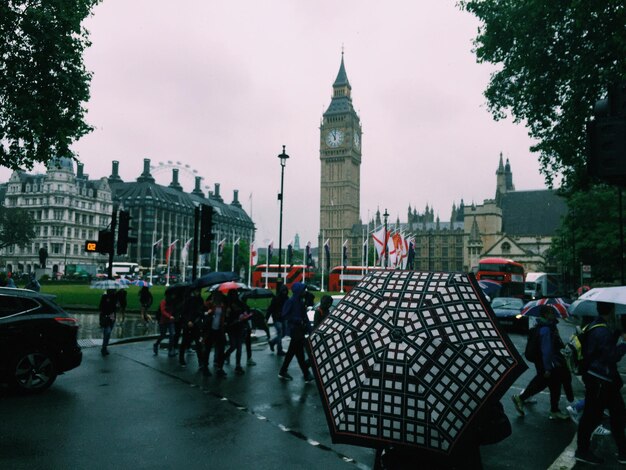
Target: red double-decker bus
(506,272)
(290,274)
(351,276)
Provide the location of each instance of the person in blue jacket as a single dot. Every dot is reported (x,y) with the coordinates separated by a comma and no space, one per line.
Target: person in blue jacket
(552,371)
(601,353)
(297,322)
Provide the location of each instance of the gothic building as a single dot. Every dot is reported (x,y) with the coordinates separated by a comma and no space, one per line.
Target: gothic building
(340,185)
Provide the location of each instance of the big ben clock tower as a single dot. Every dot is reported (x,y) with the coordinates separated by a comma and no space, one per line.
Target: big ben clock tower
(340,156)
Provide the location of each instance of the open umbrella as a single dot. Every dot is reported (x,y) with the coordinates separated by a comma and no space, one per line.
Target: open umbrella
(107,284)
(615,295)
(258,293)
(582,289)
(411,359)
(124,281)
(142,283)
(225,287)
(490,288)
(217,277)
(587,308)
(532,308)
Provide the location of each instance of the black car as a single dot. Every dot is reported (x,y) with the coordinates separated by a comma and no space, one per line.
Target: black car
(508,312)
(37,340)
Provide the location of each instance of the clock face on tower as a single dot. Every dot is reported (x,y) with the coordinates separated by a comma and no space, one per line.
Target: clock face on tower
(357,140)
(334,138)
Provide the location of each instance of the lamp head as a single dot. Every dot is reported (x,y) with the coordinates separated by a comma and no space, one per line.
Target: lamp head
(283,157)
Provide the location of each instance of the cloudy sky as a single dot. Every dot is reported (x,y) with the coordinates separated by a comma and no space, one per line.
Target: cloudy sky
(221,86)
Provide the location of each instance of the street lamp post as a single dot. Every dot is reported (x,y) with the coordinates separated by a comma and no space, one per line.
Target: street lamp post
(283,161)
(386,248)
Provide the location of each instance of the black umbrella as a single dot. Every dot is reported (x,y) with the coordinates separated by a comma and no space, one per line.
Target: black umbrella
(179,287)
(410,359)
(216,277)
(257,293)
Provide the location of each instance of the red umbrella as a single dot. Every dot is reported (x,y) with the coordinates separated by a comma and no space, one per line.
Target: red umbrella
(582,289)
(225,287)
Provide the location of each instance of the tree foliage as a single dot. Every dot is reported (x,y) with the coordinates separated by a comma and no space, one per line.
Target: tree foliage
(555,59)
(589,235)
(17,227)
(43,81)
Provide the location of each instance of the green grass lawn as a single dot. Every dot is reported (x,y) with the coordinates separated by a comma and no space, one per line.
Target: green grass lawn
(82,296)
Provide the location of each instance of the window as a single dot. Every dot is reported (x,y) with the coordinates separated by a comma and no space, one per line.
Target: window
(506,247)
(10,305)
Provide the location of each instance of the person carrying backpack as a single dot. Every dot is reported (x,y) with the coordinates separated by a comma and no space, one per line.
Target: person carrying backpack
(544,350)
(603,383)
(295,316)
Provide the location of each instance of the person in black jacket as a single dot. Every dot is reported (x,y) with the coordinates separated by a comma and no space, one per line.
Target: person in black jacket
(603,383)
(295,316)
(107,318)
(192,319)
(275,311)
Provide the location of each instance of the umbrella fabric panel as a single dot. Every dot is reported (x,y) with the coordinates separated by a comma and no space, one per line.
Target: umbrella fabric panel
(533,308)
(616,295)
(410,358)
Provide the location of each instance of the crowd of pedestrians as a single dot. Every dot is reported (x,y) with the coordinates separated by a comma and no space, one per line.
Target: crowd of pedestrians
(220,323)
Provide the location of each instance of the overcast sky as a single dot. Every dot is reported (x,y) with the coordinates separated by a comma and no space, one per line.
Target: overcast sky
(221,86)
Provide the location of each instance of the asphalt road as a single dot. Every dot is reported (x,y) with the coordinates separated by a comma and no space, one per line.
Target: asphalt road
(134,410)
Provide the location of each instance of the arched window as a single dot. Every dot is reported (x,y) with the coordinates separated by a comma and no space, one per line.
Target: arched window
(506,247)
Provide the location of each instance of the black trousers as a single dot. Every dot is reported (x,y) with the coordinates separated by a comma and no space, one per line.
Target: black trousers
(560,377)
(189,335)
(601,395)
(215,339)
(296,348)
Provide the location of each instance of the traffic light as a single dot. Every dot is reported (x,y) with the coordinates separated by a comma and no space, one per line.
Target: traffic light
(206,227)
(105,242)
(607,137)
(122,233)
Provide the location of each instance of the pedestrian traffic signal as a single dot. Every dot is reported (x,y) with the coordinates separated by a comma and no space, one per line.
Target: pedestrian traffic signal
(122,233)
(206,228)
(606,135)
(105,242)
(91,246)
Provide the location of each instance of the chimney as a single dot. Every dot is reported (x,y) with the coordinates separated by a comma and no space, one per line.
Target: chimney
(236,202)
(146,176)
(216,193)
(175,184)
(79,170)
(115,177)
(197,191)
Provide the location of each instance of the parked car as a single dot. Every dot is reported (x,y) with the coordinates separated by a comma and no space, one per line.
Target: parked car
(38,340)
(507,310)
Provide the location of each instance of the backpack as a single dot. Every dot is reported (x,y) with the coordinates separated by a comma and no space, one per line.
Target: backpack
(532,353)
(573,350)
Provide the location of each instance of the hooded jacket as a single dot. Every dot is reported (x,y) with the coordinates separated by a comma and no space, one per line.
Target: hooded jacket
(602,353)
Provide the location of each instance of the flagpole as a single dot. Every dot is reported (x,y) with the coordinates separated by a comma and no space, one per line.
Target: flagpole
(232,257)
(323,259)
(217,249)
(343,267)
(250,246)
(167,278)
(304,264)
(152,249)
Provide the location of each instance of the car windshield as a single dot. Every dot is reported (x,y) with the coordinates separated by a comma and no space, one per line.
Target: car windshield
(511,303)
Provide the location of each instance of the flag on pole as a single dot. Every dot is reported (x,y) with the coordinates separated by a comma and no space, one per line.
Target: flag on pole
(156,246)
(270,251)
(308,255)
(290,253)
(236,249)
(391,252)
(254,256)
(411,254)
(185,253)
(170,250)
(327,253)
(220,247)
(380,242)
(345,254)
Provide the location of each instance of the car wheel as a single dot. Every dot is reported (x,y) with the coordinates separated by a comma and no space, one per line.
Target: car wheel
(33,372)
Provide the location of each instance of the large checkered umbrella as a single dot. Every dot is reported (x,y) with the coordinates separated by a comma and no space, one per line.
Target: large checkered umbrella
(410,359)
